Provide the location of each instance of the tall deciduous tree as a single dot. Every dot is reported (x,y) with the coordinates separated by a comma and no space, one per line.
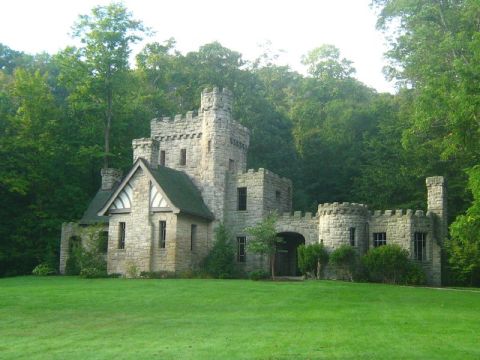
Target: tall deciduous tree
(106,36)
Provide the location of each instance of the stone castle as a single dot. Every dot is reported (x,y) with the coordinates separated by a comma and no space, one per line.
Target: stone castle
(191,174)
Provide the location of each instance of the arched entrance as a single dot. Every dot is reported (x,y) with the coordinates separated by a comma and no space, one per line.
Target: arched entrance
(286,263)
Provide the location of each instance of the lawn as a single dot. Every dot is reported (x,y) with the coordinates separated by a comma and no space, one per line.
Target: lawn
(72,318)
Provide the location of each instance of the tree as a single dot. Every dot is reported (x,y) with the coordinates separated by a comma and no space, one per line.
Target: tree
(106,36)
(324,63)
(464,246)
(220,262)
(265,239)
(312,259)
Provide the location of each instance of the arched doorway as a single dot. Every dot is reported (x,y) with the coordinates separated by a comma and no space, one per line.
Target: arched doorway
(286,263)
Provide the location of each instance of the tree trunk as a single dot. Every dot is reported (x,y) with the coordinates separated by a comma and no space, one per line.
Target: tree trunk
(108,125)
(272,265)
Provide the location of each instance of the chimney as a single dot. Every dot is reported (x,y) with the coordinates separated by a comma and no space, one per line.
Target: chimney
(110,177)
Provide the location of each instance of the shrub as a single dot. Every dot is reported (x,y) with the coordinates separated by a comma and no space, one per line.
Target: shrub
(415,275)
(390,264)
(132,270)
(43,270)
(72,266)
(93,273)
(258,275)
(344,260)
(220,262)
(312,259)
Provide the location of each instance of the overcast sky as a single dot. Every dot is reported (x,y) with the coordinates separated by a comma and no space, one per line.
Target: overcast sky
(295,27)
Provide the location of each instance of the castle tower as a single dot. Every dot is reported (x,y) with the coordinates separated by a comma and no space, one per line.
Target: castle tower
(224,147)
(437,205)
(147,149)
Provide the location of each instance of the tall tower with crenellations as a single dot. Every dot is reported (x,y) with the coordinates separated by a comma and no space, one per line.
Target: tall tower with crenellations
(224,147)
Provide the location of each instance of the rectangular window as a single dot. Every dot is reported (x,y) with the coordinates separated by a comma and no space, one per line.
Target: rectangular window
(121,235)
(209,146)
(352,236)
(420,246)
(183,156)
(193,236)
(242,198)
(241,249)
(379,239)
(231,165)
(162,235)
(278,196)
(162,157)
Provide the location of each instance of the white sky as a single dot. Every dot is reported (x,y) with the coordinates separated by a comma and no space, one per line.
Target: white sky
(295,26)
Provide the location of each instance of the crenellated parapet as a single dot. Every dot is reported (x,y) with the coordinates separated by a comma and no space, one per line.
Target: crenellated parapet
(297,216)
(401,213)
(342,208)
(216,100)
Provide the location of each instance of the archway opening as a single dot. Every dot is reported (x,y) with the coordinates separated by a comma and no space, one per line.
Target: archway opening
(286,263)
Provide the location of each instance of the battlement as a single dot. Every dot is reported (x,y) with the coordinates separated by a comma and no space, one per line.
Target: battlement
(188,116)
(297,215)
(216,99)
(342,208)
(401,212)
(267,173)
(435,181)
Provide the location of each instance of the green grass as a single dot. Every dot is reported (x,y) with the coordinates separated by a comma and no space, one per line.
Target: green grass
(71,318)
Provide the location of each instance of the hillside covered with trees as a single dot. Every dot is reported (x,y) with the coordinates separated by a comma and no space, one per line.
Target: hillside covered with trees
(64,116)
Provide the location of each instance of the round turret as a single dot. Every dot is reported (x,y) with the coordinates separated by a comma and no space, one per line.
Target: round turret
(343,223)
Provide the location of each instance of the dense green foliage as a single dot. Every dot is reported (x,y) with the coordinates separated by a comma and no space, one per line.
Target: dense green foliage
(71,318)
(63,116)
(220,262)
(344,262)
(312,259)
(464,247)
(391,264)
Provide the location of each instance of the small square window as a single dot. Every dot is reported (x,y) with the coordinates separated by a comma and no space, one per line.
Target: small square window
(379,239)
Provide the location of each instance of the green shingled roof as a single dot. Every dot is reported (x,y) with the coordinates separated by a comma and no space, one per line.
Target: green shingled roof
(90,215)
(181,191)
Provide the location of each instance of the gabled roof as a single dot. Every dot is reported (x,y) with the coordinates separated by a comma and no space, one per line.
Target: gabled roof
(90,215)
(177,186)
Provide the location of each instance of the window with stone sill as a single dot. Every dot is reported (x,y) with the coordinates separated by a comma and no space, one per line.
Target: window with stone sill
(183,156)
(193,237)
(121,235)
(242,198)
(162,157)
(379,239)
(162,234)
(241,249)
(352,236)
(420,246)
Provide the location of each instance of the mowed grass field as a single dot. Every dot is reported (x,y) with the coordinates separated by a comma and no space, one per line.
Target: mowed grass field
(72,318)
